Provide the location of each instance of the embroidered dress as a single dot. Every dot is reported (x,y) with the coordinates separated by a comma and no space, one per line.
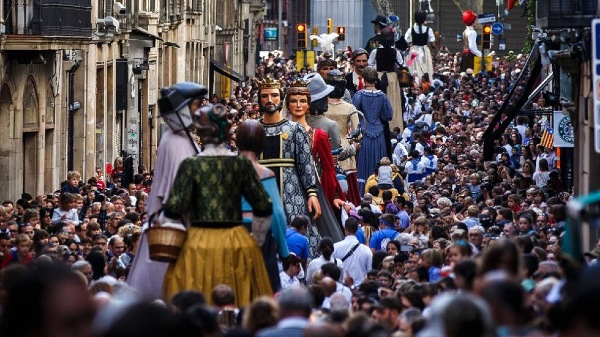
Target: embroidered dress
(218,248)
(376,107)
(288,154)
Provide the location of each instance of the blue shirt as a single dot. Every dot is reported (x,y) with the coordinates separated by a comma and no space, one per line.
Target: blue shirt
(360,236)
(470,222)
(434,274)
(381,238)
(297,243)
(404,219)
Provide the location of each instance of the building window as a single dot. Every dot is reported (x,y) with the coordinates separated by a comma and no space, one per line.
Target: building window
(30,106)
(49,108)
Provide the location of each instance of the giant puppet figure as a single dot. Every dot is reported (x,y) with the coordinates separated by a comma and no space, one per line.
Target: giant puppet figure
(176,105)
(218,248)
(288,154)
(470,49)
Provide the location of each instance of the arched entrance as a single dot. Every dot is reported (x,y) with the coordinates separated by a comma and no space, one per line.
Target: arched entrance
(31,128)
(6,107)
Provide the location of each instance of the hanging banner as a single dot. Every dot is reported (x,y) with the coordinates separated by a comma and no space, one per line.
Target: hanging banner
(564,134)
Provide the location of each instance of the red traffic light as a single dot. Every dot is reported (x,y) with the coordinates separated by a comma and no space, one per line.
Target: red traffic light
(487,29)
(301,28)
(341,30)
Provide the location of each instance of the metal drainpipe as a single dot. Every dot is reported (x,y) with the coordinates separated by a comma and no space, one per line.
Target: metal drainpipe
(71,121)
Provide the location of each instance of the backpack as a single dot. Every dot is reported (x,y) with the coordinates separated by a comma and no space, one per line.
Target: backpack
(422,127)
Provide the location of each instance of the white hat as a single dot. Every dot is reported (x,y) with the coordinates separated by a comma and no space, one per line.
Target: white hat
(317,87)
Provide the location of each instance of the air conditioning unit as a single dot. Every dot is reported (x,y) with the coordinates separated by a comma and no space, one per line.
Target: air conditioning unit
(565,13)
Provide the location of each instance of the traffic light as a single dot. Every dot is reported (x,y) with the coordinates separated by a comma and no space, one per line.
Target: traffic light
(341,31)
(301,29)
(487,37)
(329,26)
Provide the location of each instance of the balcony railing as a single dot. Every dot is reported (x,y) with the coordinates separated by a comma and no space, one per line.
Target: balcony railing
(49,17)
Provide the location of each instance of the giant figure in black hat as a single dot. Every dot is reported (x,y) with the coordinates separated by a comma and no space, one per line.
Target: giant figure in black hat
(176,105)
(379,23)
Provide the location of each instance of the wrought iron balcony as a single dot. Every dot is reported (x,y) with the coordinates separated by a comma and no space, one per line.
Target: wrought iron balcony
(72,18)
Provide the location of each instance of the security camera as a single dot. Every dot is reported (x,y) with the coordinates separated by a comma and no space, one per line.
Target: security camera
(111,23)
(119,9)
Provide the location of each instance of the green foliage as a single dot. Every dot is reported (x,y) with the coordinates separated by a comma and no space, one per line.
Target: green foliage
(530,22)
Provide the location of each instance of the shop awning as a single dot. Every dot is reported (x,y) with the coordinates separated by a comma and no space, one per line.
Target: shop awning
(142,31)
(224,70)
(511,109)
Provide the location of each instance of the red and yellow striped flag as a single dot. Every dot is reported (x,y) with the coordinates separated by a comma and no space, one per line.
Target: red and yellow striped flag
(547,138)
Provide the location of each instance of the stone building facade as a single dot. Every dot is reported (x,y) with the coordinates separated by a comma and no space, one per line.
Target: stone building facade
(75,94)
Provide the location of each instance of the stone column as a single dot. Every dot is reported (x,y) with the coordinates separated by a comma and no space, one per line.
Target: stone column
(90,96)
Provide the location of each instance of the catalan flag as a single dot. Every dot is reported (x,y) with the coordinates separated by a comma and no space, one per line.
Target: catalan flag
(547,138)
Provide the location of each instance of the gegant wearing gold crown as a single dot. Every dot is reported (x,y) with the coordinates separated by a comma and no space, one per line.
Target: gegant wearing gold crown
(287,152)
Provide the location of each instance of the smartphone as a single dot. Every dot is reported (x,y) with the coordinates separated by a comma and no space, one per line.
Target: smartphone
(406,248)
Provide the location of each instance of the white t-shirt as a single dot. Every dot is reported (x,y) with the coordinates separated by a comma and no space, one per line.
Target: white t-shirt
(384,175)
(541,178)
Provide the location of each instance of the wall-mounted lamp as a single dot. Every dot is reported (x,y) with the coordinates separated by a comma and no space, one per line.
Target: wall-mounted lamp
(74,106)
(151,108)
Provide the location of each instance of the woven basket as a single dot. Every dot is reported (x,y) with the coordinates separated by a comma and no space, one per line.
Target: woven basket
(164,243)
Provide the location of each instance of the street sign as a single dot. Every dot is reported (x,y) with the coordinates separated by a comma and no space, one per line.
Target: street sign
(502,44)
(270,33)
(596,80)
(486,18)
(497,28)
(564,133)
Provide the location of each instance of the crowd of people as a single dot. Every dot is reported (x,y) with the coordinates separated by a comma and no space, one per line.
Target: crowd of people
(322,202)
